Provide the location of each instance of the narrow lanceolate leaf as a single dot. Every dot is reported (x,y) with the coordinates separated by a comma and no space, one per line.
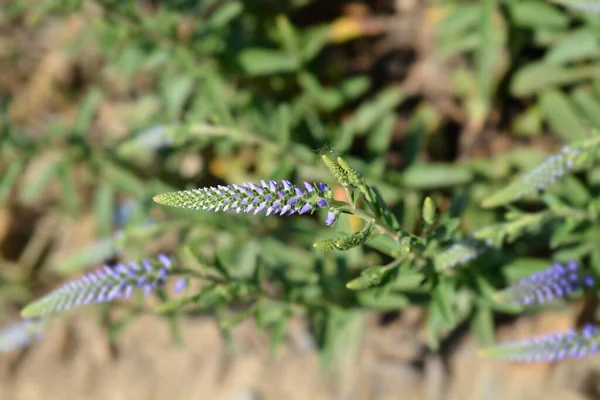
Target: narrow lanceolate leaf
(550,347)
(104,285)
(459,253)
(273,197)
(546,173)
(21,334)
(544,286)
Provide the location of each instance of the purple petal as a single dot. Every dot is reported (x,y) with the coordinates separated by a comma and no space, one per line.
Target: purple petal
(180,285)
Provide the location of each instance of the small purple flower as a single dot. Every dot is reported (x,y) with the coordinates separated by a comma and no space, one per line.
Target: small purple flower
(281,198)
(549,347)
(180,284)
(104,285)
(544,286)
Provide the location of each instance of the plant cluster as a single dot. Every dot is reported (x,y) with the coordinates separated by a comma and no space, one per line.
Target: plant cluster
(225,134)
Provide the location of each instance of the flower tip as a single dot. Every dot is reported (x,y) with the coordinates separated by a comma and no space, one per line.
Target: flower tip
(159,198)
(30,311)
(485,352)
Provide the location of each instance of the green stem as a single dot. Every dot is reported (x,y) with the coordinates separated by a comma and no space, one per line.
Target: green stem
(382,226)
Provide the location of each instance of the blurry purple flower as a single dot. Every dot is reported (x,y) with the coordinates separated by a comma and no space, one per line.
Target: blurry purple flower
(103,285)
(180,284)
(21,334)
(550,347)
(544,286)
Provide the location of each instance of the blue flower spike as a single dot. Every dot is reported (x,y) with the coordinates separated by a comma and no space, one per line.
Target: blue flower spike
(550,347)
(103,285)
(555,282)
(281,198)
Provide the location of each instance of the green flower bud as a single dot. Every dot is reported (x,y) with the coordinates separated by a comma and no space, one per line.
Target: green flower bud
(429,211)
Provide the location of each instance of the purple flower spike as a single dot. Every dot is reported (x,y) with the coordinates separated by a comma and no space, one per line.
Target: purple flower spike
(550,347)
(104,285)
(555,282)
(271,197)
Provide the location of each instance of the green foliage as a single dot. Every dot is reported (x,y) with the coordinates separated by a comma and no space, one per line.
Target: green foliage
(224,92)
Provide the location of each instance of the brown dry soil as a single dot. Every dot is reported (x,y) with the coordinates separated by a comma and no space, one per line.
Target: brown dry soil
(75,361)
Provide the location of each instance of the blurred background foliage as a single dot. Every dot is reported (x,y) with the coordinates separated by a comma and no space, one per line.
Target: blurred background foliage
(106,103)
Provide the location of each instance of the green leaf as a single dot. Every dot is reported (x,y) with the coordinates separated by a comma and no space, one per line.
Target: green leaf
(9,178)
(458,253)
(535,77)
(379,141)
(443,298)
(103,209)
(283,131)
(576,46)
(313,41)
(30,190)
(69,194)
(588,104)
(287,35)
(537,14)
(120,177)
(354,87)
(225,13)
(371,112)
(87,111)
(374,298)
(176,90)
(561,115)
(257,62)
(482,324)
(562,232)
(175,304)
(432,175)
(486,55)
(93,254)
(462,18)
(278,333)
